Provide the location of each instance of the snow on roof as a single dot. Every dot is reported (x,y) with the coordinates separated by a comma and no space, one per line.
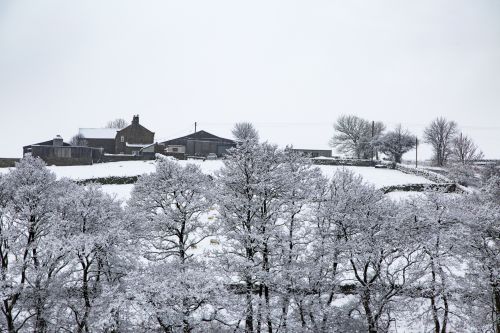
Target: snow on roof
(137,145)
(98,133)
(149,145)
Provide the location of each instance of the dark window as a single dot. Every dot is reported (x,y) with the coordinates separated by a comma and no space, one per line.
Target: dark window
(175,149)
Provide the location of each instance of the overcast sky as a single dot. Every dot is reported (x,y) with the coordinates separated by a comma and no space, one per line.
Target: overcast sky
(290,67)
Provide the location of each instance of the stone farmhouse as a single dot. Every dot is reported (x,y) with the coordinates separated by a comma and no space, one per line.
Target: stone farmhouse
(129,140)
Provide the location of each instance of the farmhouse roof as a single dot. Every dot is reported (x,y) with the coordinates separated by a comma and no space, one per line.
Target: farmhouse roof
(98,133)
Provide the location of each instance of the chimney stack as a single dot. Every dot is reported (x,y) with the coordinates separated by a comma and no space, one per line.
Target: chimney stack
(57,141)
(135,120)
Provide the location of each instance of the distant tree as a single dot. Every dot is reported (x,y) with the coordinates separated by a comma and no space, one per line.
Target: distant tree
(464,150)
(78,140)
(395,143)
(440,134)
(117,123)
(245,131)
(354,135)
(377,131)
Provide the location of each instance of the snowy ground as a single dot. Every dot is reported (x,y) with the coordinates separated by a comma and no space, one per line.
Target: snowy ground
(378,177)
(119,192)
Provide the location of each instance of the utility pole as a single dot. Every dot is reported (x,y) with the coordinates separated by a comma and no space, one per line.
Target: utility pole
(416,152)
(373,134)
(194,142)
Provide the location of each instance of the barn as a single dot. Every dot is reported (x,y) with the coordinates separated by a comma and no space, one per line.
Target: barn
(58,152)
(199,143)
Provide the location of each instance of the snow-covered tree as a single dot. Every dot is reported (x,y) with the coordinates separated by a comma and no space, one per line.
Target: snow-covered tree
(169,208)
(294,236)
(378,256)
(396,143)
(356,136)
(479,248)
(32,256)
(440,134)
(93,237)
(251,188)
(245,131)
(440,235)
(464,150)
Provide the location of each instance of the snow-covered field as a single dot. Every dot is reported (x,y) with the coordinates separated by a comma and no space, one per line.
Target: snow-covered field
(378,177)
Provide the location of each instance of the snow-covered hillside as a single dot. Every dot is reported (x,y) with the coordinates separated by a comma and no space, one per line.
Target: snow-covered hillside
(378,177)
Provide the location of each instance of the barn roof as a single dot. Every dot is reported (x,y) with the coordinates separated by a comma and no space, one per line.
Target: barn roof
(98,133)
(199,136)
(46,143)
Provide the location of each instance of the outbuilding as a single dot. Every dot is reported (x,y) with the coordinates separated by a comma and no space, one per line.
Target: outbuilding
(198,144)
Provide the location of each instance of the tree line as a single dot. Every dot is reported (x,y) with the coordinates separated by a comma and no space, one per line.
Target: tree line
(364,139)
(267,244)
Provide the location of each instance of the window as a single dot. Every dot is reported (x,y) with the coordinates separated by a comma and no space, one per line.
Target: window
(122,139)
(175,150)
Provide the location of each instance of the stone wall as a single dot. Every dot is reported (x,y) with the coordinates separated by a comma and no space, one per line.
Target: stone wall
(443,188)
(347,162)
(121,158)
(432,176)
(8,162)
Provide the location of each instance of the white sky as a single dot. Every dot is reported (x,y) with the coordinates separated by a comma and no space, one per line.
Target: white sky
(290,67)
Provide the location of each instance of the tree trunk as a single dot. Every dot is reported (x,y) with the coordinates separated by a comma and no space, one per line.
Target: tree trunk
(445,315)
(366,297)
(496,298)
(8,317)
(249,310)
(259,310)
(40,322)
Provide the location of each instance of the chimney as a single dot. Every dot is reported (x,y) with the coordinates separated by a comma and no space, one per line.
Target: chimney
(57,141)
(135,120)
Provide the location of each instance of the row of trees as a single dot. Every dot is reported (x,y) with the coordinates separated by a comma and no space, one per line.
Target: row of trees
(297,252)
(363,139)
